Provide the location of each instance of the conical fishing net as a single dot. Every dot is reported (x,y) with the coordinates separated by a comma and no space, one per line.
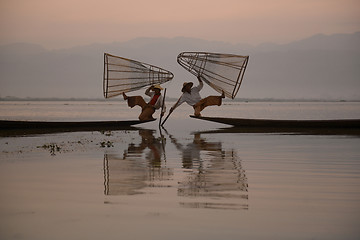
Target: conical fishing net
(222,72)
(126,75)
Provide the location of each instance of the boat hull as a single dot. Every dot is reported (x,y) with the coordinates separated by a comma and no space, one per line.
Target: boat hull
(272,123)
(8,127)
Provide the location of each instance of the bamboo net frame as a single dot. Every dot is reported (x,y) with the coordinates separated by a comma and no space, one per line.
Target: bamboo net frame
(222,72)
(126,75)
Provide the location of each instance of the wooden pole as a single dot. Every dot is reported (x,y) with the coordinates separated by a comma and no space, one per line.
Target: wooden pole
(166,119)
(162,108)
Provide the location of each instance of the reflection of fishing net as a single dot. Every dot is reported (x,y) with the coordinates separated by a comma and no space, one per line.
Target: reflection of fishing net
(126,75)
(222,72)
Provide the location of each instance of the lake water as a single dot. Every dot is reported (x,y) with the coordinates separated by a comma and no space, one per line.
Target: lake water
(190,180)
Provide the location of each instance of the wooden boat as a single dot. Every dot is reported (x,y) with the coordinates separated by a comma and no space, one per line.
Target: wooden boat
(9,124)
(9,127)
(272,123)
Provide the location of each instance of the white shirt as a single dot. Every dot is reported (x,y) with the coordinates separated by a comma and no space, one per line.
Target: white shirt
(190,98)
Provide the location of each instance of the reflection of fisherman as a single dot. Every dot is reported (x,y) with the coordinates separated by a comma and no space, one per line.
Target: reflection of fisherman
(132,174)
(192,97)
(192,152)
(148,140)
(154,92)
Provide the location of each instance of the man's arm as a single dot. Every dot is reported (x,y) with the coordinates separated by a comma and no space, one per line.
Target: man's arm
(147,92)
(201,84)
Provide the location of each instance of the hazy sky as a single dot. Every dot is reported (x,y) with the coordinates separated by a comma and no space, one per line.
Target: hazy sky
(66,23)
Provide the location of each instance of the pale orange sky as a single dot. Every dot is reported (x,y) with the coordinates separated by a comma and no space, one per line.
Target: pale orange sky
(67,23)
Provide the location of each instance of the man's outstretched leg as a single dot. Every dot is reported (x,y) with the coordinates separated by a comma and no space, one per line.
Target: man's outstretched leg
(208,101)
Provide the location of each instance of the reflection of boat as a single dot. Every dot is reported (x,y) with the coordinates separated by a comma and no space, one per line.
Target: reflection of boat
(273,123)
(9,127)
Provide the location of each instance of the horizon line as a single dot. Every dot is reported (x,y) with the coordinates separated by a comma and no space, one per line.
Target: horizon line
(171,38)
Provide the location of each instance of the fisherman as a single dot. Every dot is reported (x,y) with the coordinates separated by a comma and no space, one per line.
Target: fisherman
(192,97)
(147,109)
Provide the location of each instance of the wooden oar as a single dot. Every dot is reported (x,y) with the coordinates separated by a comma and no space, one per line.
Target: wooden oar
(162,107)
(170,111)
(166,119)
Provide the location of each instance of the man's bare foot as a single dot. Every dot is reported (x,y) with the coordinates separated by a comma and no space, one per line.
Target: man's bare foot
(124,95)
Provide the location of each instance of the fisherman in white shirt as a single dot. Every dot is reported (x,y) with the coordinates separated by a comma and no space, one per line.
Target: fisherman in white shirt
(191,95)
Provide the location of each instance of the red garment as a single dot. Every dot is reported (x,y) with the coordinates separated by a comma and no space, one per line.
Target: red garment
(154,99)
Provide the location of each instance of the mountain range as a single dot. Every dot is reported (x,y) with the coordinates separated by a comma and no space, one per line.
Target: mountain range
(318,67)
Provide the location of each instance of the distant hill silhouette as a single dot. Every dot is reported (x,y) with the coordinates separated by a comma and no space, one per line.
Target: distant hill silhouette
(322,66)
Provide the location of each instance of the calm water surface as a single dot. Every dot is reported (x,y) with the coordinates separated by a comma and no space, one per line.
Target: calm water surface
(190,180)
(114,110)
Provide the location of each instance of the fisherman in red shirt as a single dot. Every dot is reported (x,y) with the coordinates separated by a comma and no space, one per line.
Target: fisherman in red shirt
(147,109)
